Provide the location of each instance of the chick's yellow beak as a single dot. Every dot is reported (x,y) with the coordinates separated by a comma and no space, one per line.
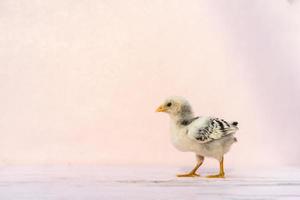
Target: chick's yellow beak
(161,109)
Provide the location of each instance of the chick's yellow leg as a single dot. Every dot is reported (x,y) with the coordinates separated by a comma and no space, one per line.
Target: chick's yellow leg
(193,172)
(221,172)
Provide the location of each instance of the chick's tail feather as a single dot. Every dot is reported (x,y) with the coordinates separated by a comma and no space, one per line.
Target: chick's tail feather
(234,123)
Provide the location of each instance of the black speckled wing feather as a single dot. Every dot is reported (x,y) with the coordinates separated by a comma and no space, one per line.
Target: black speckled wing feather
(206,129)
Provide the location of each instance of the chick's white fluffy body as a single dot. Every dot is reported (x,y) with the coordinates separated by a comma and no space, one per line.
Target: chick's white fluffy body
(215,149)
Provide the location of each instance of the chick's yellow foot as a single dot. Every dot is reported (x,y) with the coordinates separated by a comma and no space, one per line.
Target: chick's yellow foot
(221,172)
(216,176)
(188,175)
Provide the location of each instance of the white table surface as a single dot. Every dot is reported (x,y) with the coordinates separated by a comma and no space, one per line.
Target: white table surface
(86,182)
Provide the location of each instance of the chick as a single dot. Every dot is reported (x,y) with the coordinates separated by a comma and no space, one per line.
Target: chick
(205,136)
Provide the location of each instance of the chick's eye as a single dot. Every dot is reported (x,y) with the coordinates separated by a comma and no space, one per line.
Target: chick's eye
(169,104)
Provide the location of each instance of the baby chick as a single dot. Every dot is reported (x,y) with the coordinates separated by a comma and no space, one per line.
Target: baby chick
(205,136)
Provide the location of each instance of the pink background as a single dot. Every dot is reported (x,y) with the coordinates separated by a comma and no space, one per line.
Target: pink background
(80,80)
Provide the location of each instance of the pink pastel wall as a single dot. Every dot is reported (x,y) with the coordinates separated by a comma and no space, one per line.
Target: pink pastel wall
(80,80)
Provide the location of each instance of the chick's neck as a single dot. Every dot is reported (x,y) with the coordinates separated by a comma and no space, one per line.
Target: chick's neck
(182,119)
